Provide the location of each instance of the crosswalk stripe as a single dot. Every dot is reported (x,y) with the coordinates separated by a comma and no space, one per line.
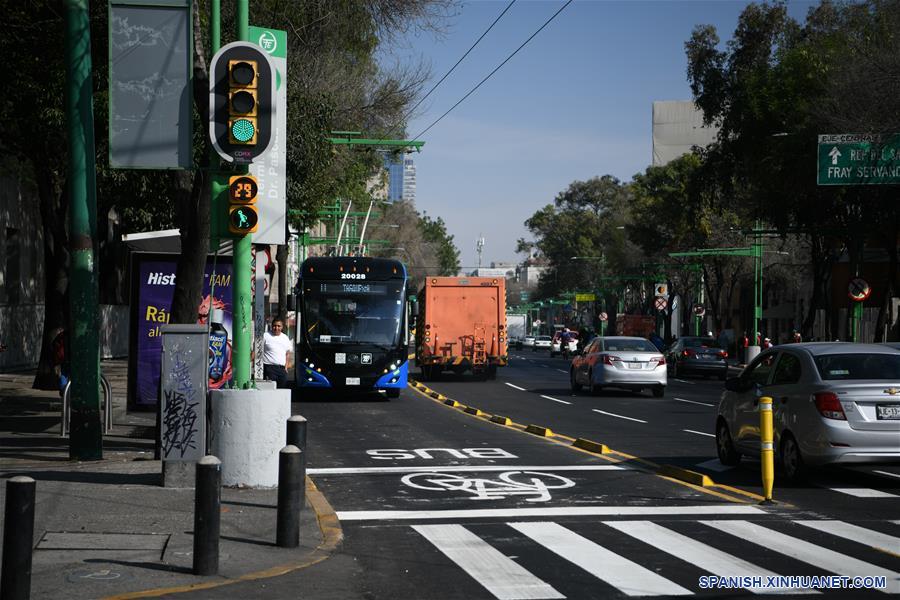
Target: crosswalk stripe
(863,492)
(707,558)
(504,578)
(818,556)
(547,511)
(629,577)
(855,533)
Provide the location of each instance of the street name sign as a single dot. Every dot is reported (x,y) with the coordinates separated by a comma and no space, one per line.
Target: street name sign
(858,159)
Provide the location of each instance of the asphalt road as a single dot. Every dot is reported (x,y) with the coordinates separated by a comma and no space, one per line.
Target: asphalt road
(437,503)
(677,429)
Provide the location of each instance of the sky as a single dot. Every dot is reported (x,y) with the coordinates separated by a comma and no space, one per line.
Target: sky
(573,104)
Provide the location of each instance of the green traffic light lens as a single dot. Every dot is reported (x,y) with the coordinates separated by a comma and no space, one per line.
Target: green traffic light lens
(243,130)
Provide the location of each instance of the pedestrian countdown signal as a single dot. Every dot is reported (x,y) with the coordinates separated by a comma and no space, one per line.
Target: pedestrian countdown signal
(242,215)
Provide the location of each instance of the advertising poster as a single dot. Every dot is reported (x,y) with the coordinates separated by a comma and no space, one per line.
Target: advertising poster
(153,286)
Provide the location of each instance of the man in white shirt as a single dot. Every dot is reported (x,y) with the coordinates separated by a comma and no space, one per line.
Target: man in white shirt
(277,351)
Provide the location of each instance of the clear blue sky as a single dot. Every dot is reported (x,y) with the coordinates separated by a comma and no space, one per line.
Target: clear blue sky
(572,104)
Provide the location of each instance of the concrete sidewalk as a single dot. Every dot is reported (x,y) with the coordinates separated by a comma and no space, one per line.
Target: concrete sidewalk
(109,529)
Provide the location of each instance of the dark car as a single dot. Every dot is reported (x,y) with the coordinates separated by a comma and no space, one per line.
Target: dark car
(697,356)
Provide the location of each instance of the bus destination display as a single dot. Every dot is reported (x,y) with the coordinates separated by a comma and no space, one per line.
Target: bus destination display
(353,288)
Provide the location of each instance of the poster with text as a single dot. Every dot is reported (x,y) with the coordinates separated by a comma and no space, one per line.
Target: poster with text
(153,287)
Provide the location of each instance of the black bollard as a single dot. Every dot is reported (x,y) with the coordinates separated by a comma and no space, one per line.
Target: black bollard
(18,539)
(296,432)
(296,436)
(207,512)
(290,497)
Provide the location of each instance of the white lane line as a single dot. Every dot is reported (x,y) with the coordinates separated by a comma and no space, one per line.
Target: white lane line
(855,533)
(602,412)
(820,557)
(714,465)
(687,382)
(461,469)
(555,399)
(629,577)
(502,576)
(697,553)
(888,474)
(694,402)
(561,371)
(548,511)
(862,492)
(546,366)
(699,432)
(515,387)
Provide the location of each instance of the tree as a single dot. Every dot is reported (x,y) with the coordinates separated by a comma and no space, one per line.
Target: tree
(771,91)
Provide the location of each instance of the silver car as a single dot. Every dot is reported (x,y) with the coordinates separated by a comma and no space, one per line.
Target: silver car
(833,403)
(622,362)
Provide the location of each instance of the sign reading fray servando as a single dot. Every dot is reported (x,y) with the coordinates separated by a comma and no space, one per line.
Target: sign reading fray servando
(859,159)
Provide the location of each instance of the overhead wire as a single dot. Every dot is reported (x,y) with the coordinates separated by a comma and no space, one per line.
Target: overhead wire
(462,58)
(489,75)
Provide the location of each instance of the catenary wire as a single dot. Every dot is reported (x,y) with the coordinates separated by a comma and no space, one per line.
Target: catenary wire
(472,91)
(462,58)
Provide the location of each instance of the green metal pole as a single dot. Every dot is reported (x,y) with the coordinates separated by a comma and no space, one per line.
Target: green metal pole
(243,307)
(757,279)
(86,435)
(856,321)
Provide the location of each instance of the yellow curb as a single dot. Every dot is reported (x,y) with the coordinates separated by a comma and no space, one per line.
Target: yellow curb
(332,535)
(473,411)
(590,446)
(538,430)
(501,420)
(452,403)
(686,475)
(436,395)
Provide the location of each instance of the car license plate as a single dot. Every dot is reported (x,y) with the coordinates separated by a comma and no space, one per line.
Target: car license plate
(635,365)
(352,381)
(888,411)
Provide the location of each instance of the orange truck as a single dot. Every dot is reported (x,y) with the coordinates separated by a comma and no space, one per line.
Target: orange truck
(462,326)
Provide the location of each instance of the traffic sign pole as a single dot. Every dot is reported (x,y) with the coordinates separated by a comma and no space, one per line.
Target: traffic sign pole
(243,246)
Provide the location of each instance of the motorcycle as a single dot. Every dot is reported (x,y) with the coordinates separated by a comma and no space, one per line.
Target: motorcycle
(570,349)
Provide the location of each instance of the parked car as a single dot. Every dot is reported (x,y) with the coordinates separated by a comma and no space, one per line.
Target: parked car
(541,341)
(622,362)
(833,403)
(696,356)
(528,342)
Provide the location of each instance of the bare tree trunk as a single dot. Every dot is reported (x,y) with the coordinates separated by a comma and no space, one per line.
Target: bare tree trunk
(193,202)
(53,206)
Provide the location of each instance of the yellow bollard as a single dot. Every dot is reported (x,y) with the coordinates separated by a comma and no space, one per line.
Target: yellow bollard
(767,447)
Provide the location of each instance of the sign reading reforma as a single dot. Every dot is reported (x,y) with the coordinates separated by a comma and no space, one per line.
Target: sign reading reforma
(858,159)
(271,169)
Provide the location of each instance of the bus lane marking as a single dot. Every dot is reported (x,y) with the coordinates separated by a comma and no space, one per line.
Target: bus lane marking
(533,485)
(603,412)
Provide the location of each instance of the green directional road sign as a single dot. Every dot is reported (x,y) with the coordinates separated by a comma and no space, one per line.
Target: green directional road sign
(859,159)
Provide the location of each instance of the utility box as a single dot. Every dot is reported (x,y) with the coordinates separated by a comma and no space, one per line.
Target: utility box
(183,382)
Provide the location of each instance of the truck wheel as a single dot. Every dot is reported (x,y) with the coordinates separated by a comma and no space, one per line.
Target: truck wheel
(435,373)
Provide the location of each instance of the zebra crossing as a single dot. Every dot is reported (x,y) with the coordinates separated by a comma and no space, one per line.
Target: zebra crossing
(634,558)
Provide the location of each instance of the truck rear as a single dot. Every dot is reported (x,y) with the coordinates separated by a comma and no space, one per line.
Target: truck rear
(462,326)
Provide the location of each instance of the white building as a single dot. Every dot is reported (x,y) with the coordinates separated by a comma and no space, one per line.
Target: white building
(677,127)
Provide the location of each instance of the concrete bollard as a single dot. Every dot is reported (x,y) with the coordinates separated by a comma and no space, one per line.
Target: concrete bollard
(291,495)
(207,514)
(18,539)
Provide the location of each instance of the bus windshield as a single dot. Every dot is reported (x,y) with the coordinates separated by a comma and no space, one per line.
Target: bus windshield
(342,312)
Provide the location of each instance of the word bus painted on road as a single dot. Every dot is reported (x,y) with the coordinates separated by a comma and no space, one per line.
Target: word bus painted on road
(426,453)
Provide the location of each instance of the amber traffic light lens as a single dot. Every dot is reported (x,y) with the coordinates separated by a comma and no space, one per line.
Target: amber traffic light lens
(242,102)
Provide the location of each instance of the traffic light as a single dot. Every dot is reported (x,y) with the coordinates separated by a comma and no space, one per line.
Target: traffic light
(661,289)
(242,215)
(241,102)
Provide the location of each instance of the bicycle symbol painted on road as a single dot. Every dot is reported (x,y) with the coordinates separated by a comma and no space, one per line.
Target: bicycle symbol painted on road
(535,486)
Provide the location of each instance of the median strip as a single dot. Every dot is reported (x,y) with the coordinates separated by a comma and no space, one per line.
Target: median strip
(539,430)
